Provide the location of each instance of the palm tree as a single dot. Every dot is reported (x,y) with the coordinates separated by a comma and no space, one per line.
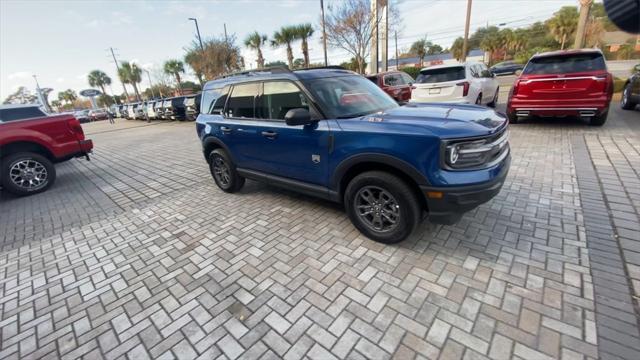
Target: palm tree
(99,78)
(490,43)
(304,32)
(254,42)
(68,96)
(456,48)
(130,73)
(563,24)
(174,67)
(419,48)
(56,104)
(285,36)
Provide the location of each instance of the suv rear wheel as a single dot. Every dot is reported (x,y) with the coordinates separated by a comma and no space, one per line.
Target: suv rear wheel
(224,172)
(494,101)
(382,206)
(27,173)
(600,119)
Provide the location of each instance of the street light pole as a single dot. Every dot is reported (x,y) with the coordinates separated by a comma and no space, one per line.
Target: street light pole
(198,32)
(150,84)
(324,34)
(465,43)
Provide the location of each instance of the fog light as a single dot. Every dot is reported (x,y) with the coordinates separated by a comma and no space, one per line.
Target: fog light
(435,194)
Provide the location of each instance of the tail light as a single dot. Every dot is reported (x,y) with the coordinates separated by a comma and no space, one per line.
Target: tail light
(76,128)
(465,87)
(514,89)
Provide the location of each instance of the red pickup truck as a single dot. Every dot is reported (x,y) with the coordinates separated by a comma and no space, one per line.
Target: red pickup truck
(31,142)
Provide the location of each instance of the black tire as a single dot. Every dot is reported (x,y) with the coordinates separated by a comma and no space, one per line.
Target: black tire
(223,171)
(494,102)
(513,118)
(599,120)
(479,99)
(625,102)
(406,211)
(27,173)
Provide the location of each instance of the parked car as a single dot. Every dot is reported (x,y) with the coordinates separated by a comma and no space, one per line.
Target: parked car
(139,111)
(467,83)
(334,134)
(192,106)
(395,83)
(98,114)
(631,91)
(173,109)
(82,116)
(506,68)
(123,111)
(31,142)
(131,113)
(563,83)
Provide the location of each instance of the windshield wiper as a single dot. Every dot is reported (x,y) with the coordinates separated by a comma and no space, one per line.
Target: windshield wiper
(350,116)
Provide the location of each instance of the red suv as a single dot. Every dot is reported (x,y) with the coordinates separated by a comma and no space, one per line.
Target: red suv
(395,83)
(563,83)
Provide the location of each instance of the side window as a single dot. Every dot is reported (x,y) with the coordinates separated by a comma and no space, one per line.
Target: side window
(392,80)
(407,78)
(242,100)
(208,98)
(217,108)
(20,113)
(474,71)
(279,97)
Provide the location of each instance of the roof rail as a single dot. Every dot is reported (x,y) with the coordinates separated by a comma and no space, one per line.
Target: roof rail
(335,67)
(272,69)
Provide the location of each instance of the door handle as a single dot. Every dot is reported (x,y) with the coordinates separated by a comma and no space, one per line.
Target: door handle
(269,134)
(225,129)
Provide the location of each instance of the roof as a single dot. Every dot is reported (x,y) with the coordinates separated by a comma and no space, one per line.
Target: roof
(429,58)
(442,66)
(279,73)
(567,52)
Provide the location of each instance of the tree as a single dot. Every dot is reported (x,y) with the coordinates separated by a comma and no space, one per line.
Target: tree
(298,63)
(57,104)
(174,67)
(255,41)
(191,85)
(353,65)
(490,43)
(130,73)
(434,49)
(285,36)
(349,26)
(21,96)
(275,63)
(195,59)
(68,96)
(563,24)
(456,48)
(220,55)
(419,48)
(303,32)
(98,78)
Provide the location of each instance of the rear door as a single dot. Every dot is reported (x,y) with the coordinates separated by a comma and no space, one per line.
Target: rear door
(439,84)
(574,76)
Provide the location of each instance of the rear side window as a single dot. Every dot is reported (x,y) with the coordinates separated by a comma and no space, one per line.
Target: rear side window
(407,78)
(565,64)
(441,75)
(278,98)
(20,113)
(242,100)
(393,80)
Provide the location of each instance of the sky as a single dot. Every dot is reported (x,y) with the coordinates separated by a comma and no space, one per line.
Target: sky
(62,41)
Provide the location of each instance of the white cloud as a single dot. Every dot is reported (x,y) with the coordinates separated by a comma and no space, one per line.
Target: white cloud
(20,75)
(147,66)
(60,80)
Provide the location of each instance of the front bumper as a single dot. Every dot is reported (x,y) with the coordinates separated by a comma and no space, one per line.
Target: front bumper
(447,204)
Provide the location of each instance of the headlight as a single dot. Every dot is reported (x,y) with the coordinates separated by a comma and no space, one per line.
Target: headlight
(476,153)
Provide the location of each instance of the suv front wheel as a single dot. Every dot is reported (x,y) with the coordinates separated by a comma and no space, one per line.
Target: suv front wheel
(224,172)
(382,206)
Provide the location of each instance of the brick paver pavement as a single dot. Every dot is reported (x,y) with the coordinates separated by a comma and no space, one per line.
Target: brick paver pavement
(136,254)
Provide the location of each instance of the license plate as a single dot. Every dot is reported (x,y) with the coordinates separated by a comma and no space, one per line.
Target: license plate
(434,91)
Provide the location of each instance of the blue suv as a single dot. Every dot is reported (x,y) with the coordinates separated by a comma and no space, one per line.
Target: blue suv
(332,133)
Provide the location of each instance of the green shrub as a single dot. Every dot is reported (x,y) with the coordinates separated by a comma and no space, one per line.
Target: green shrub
(411,70)
(618,84)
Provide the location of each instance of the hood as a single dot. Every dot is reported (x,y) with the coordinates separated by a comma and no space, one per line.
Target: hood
(442,120)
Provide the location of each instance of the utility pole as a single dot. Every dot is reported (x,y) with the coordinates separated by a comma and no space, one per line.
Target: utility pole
(41,95)
(396,38)
(324,34)
(465,43)
(118,73)
(150,84)
(585,6)
(226,39)
(198,32)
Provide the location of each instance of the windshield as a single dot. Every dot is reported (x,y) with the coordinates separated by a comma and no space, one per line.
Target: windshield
(565,64)
(441,75)
(349,96)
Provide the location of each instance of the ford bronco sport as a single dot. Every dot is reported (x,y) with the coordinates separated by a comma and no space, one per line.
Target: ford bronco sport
(331,133)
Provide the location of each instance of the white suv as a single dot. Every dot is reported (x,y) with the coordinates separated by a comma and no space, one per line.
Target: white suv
(469,83)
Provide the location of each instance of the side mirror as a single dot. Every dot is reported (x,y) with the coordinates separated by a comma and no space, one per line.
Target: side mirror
(299,116)
(518,72)
(637,68)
